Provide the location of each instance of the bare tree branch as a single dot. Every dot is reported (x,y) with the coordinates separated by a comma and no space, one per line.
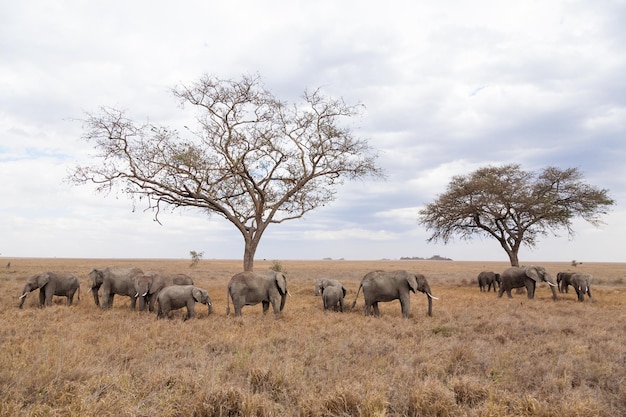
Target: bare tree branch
(253,159)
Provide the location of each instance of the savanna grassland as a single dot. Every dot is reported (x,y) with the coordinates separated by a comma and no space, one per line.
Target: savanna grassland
(478,355)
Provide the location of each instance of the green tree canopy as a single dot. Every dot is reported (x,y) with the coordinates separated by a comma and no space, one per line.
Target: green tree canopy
(253,159)
(513,206)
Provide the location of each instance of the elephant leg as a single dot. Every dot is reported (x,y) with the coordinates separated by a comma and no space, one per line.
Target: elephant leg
(42,297)
(341,305)
(191,313)
(376,310)
(589,291)
(133,303)
(501,291)
(530,288)
(367,309)
(151,300)
(405,305)
(266,306)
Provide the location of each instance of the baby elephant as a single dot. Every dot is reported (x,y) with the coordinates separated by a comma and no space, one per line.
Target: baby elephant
(332,292)
(488,278)
(179,296)
(49,284)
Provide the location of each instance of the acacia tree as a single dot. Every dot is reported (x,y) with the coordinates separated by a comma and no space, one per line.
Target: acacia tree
(253,159)
(513,206)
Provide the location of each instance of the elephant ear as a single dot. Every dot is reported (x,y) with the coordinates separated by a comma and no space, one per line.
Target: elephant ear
(196,293)
(43,279)
(531,272)
(343,289)
(412,280)
(281,282)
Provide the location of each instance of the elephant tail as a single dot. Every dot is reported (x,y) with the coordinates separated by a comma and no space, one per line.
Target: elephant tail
(78,292)
(357,295)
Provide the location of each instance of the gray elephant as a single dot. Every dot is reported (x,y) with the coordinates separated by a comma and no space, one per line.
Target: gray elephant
(49,284)
(251,288)
(179,296)
(114,281)
(382,286)
(516,277)
(581,283)
(148,286)
(488,278)
(563,280)
(332,292)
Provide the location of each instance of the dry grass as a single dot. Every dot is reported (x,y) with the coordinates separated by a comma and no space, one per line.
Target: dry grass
(477,356)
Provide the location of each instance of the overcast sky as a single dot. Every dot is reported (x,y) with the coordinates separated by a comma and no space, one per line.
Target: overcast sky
(448,87)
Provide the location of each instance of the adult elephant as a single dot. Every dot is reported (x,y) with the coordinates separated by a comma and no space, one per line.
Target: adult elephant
(148,286)
(581,283)
(516,277)
(50,284)
(332,292)
(114,281)
(179,296)
(383,286)
(488,278)
(251,288)
(563,280)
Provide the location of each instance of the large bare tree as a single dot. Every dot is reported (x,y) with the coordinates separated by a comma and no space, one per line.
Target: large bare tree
(253,159)
(513,206)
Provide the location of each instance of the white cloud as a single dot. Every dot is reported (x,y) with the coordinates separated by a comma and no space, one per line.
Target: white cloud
(448,87)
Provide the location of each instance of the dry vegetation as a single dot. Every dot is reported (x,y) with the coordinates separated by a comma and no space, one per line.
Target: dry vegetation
(477,356)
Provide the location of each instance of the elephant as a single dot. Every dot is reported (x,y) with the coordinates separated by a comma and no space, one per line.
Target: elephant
(114,281)
(381,286)
(332,292)
(563,280)
(516,277)
(581,282)
(148,286)
(49,284)
(486,279)
(250,288)
(179,296)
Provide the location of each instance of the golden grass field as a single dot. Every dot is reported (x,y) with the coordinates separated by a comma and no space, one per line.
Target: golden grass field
(478,355)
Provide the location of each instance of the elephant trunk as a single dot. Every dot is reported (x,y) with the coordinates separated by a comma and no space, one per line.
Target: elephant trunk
(23,298)
(430,305)
(210,308)
(553,291)
(94,291)
(283,298)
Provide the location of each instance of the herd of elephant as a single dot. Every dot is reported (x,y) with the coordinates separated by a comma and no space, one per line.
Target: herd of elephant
(528,277)
(172,292)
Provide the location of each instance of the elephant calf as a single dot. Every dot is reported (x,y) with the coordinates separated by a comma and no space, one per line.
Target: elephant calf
(179,296)
(486,279)
(563,280)
(50,284)
(332,292)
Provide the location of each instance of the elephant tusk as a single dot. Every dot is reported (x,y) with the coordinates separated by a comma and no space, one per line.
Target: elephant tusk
(136,294)
(23,295)
(144,294)
(432,296)
(551,284)
(288,293)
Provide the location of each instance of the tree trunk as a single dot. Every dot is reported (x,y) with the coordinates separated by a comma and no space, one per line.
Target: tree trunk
(248,254)
(513,258)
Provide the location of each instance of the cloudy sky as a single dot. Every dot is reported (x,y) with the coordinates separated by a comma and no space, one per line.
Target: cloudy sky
(449,86)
